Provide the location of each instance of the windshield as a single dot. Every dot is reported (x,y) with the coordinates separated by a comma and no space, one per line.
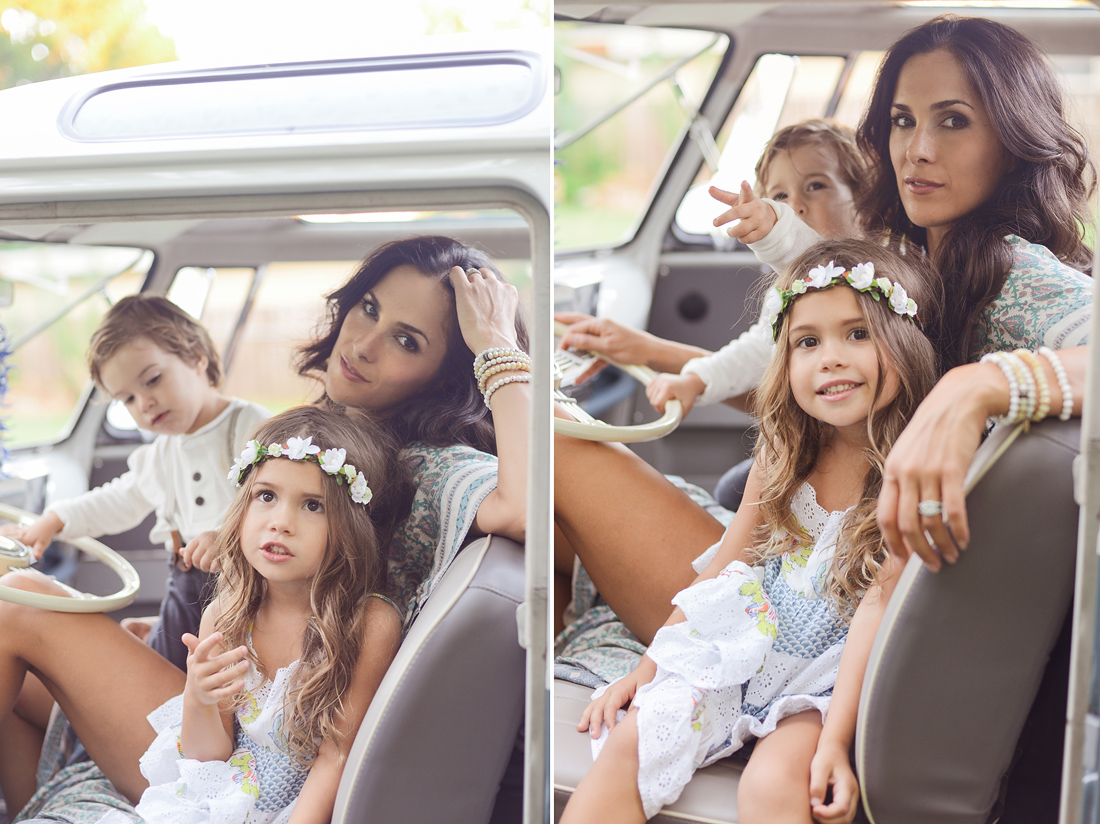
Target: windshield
(628,95)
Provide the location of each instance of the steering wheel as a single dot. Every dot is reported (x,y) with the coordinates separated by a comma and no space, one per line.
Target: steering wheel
(15,555)
(588,428)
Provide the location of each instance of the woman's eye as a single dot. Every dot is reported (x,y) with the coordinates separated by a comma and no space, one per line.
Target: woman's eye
(408,343)
(314,506)
(369,308)
(956,121)
(901,121)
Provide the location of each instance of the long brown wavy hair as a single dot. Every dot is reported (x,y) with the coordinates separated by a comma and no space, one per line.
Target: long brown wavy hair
(1043,197)
(790,441)
(354,566)
(450,409)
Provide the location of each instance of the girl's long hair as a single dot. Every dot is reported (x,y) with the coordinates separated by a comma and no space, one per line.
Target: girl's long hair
(1043,197)
(450,409)
(354,566)
(790,441)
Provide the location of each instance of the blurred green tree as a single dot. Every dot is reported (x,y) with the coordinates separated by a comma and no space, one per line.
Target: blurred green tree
(46,39)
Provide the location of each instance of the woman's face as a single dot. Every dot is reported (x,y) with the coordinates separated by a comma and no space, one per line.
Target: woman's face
(946,156)
(391,343)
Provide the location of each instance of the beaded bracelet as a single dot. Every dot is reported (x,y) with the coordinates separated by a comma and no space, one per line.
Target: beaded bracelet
(508,366)
(524,378)
(1004,363)
(1042,386)
(1028,389)
(496,353)
(1063,381)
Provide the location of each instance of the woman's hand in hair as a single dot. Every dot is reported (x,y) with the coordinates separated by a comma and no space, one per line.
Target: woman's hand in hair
(486,308)
(754,217)
(930,460)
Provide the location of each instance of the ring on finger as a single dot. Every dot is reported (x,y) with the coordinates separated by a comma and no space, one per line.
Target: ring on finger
(471,273)
(930,508)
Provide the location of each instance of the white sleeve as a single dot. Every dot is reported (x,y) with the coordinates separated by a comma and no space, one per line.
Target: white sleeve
(736,368)
(789,238)
(118,505)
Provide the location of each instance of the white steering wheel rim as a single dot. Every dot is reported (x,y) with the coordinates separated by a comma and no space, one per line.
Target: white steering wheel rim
(81,602)
(638,433)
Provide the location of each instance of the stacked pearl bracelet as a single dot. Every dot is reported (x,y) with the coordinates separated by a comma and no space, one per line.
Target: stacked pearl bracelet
(1004,362)
(496,360)
(1042,386)
(1063,381)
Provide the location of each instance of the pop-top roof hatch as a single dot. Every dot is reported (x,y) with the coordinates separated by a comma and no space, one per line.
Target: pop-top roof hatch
(369,94)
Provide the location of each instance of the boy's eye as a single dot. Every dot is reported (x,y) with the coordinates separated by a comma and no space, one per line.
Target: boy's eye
(153,380)
(815,185)
(779,196)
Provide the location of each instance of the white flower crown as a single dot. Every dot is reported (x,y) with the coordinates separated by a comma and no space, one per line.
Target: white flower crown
(861,277)
(331,462)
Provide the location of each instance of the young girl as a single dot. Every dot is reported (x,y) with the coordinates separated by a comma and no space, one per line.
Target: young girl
(753,648)
(298,636)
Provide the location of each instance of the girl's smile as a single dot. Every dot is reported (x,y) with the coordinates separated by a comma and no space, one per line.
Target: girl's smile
(834,367)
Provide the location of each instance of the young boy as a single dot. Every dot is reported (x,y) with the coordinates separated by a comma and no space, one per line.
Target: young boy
(161,364)
(807,181)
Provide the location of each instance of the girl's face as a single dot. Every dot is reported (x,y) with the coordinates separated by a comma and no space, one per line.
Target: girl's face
(392,343)
(833,365)
(809,179)
(946,156)
(162,392)
(284,532)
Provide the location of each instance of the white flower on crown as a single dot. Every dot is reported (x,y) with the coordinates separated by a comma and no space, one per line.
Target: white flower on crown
(798,287)
(349,472)
(899,300)
(885,285)
(911,308)
(298,448)
(249,454)
(275,450)
(332,460)
(862,275)
(360,492)
(235,473)
(773,305)
(821,276)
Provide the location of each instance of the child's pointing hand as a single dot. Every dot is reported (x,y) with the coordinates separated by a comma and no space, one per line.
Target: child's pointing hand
(755,218)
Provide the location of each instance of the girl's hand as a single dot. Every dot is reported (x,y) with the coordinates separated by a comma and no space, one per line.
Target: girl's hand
(486,308)
(684,388)
(212,675)
(755,217)
(930,460)
(830,769)
(38,535)
(601,712)
(201,552)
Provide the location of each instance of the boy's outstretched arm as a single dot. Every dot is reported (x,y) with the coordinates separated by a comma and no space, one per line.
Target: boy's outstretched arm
(755,218)
(830,767)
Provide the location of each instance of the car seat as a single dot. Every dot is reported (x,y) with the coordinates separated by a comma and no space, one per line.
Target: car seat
(439,733)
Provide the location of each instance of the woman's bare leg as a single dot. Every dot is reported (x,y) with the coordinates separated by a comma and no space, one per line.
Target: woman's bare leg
(21,737)
(635,532)
(775,786)
(609,791)
(104,678)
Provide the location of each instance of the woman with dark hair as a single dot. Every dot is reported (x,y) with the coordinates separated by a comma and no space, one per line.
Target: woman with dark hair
(399,345)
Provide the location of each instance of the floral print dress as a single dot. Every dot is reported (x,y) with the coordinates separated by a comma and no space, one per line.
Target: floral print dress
(759,644)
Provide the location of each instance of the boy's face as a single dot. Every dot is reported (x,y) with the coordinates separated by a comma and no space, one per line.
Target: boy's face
(163,394)
(808,178)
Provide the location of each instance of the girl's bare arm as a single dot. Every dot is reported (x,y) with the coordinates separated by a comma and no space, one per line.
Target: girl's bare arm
(830,767)
(380,642)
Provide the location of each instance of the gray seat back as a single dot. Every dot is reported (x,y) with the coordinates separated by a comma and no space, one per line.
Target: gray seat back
(960,654)
(439,732)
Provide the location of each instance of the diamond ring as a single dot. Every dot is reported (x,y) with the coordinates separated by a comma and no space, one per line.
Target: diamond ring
(930,509)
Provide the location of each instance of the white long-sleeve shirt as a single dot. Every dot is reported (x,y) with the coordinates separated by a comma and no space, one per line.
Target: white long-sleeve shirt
(182,478)
(738,366)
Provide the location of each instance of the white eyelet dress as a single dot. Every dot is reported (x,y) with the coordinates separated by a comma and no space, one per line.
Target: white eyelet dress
(258,784)
(759,644)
